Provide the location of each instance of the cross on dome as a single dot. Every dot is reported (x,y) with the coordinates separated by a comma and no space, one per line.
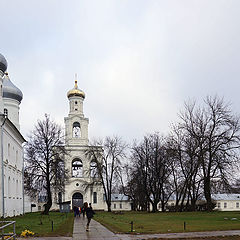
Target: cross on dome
(76,91)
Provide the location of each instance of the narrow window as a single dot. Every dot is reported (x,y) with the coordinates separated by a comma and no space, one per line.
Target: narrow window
(237,204)
(114,205)
(219,205)
(16,156)
(94,197)
(17,188)
(59,197)
(12,189)
(5,111)
(120,206)
(93,170)
(9,149)
(225,205)
(9,187)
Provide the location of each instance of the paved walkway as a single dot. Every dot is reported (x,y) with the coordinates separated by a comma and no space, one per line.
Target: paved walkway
(98,232)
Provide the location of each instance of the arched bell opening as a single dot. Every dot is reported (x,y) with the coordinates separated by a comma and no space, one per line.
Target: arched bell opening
(76,130)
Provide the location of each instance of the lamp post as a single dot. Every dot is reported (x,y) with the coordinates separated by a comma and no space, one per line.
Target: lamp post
(2,162)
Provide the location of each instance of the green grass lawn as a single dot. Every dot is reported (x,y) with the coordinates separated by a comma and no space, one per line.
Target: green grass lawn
(41,225)
(168,222)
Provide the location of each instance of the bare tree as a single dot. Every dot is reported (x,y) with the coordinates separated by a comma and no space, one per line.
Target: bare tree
(186,180)
(131,186)
(44,161)
(151,164)
(215,130)
(107,155)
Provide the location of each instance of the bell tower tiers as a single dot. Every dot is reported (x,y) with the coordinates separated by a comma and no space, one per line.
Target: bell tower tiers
(76,125)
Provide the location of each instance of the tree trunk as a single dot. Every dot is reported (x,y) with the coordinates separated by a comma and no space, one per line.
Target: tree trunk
(109,206)
(134,205)
(48,205)
(154,206)
(163,206)
(207,194)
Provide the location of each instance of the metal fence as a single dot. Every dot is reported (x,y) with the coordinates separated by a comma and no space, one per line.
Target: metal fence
(7,235)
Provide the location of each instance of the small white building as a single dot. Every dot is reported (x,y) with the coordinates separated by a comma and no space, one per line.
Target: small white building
(227,202)
(224,202)
(120,202)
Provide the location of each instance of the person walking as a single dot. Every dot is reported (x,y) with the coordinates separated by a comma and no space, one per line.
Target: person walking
(89,212)
(90,205)
(75,211)
(80,211)
(83,211)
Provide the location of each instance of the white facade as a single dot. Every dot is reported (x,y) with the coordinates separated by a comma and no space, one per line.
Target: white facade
(11,173)
(224,202)
(227,202)
(120,202)
(30,205)
(13,169)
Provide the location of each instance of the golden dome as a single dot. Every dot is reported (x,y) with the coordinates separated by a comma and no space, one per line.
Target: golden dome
(75,91)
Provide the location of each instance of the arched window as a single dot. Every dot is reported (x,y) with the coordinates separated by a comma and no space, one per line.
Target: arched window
(77,168)
(17,188)
(12,188)
(93,170)
(59,197)
(9,187)
(9,149)
(76,130)
(94,197)
(16,156)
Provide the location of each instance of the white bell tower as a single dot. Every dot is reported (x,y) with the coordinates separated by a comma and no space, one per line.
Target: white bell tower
(76,125)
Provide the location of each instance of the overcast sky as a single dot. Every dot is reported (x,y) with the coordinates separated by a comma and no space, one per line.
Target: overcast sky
(137,61)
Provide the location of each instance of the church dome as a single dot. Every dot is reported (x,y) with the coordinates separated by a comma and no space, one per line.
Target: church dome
(75,92)
(10,90)
(3,63)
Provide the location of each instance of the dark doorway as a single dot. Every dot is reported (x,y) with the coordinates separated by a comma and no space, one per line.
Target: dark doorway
(77,199)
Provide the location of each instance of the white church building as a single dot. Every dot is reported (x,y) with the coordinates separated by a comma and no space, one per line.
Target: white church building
(11,140)
(81,170)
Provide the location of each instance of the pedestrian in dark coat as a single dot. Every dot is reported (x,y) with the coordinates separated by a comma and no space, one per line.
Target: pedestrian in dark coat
(75,211)
(89,213)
